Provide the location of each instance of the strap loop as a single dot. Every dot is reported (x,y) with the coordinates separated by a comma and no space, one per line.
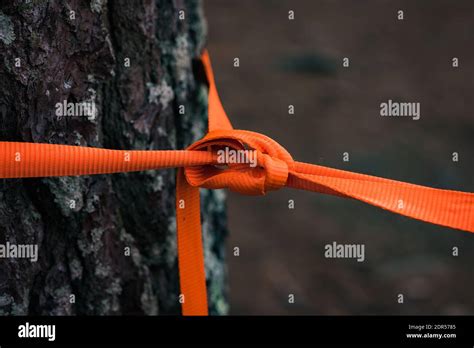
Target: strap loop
(266,168)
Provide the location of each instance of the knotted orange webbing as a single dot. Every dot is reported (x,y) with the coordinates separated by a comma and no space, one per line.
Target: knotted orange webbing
(198,168)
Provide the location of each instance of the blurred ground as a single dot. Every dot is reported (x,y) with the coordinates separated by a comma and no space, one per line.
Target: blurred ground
(299,62)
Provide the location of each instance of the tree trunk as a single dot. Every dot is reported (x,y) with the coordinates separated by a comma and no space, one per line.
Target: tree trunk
(106,243)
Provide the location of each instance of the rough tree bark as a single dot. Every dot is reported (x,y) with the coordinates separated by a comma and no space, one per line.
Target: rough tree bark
(77,51)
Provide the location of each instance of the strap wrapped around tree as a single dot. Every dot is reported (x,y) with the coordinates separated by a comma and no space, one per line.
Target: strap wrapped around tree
(199,167)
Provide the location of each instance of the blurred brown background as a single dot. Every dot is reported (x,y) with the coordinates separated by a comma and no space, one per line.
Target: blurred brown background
(337,109)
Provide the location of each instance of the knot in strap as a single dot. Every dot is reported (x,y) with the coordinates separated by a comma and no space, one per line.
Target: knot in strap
(245,162)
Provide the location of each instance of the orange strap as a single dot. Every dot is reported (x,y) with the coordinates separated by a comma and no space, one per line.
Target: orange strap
(199,167)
